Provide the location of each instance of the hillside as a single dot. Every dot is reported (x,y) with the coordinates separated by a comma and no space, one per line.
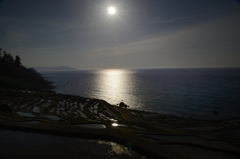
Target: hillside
(13,75)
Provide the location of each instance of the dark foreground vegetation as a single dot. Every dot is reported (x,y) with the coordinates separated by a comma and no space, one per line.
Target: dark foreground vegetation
(13,75)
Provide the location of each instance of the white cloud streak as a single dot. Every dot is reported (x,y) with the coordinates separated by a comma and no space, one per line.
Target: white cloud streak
(199,46)
(161,21)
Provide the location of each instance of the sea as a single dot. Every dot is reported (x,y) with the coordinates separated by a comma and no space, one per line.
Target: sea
(207,93)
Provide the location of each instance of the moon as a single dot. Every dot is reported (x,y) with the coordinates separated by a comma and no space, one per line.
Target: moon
(111,10)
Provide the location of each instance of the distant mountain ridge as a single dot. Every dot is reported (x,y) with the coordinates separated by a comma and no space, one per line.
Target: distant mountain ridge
(54,68)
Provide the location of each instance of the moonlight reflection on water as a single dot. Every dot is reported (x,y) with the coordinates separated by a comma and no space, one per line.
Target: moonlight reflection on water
(114,84)
(189,92)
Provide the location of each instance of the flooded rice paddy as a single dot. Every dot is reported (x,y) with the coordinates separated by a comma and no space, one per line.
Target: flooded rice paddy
(39,146)
(165,131)
(55,108)
(93,126)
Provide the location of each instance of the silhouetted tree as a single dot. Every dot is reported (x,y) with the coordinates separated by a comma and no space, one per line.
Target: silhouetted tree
(17,61)
(8,57)
(4,57)
(0,52)
(13,75)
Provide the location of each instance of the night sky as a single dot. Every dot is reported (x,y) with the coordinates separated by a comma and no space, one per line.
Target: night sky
(142,33)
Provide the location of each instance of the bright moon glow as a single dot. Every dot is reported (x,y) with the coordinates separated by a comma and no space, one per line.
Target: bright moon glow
(111,10)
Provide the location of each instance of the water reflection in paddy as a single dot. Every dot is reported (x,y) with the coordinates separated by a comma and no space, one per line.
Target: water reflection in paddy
(26,114)
(33,121)
(16,144)
(119,125)
(51,117)
(94,126)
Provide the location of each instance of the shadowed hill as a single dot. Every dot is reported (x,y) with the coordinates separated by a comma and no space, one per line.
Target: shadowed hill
(13,75)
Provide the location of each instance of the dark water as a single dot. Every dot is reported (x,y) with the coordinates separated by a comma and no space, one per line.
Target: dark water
(189,92)
(23,145)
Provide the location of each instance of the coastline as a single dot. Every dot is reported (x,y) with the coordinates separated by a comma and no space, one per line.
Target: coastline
(200,93)
(149,133)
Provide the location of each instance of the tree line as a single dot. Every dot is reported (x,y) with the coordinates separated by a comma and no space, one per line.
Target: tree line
(8,58)
(13,75)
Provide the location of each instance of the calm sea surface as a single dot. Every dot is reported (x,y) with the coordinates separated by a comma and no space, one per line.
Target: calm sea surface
(189,92)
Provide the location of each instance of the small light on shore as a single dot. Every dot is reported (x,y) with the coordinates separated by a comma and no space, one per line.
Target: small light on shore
(114,124)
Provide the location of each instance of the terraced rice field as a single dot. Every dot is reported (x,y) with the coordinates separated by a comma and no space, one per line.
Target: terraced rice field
(165,135)
(31,106)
